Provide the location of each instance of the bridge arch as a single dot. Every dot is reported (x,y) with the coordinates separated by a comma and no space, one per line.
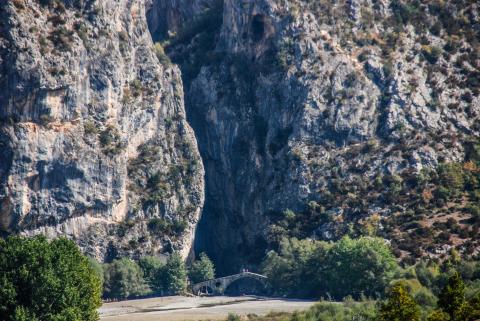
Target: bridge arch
(219,285)
(246,285)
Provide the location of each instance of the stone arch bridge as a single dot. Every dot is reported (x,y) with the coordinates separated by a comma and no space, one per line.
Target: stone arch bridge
(219,285)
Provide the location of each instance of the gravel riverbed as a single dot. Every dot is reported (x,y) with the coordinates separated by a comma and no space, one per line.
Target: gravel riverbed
(178,308)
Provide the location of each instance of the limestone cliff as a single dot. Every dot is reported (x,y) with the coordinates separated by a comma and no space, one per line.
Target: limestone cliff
(94,143)
(314,119)
(311,104)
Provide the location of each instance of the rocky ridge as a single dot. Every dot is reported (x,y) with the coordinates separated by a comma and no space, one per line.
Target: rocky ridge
(314,119)
(94,141)
(306,104)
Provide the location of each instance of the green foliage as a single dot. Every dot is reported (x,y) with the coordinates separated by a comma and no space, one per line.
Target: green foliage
(349,310)
(432,54)
(173,276)
(452,298)
(97,268)
(451,176)
(437,315)
(161,55)
(286,269)
(233,317)
(201,270)
(421,294)
(160,226)
(124,279)
(42,280)
(347,267)
(363,265)
(286,53)
(400,306)
(110,140)
(90,128)
(149,266)
(426,273)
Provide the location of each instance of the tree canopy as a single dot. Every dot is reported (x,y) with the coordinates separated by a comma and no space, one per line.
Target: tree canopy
(201,270)
(124,279)
(400,306)
(174,275)
(47,281)
(347,267)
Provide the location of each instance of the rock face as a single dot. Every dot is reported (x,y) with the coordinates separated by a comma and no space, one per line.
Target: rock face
(169,16)
(298,96)
(325,108)
(94,143)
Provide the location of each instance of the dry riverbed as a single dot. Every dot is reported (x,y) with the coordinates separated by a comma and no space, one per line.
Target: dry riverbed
(178,308)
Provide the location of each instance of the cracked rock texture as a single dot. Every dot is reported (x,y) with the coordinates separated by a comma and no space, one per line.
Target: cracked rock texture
(293,97)
(294,104)
(94,144)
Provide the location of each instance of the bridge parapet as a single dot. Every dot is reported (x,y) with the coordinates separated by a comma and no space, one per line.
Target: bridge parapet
(219,285)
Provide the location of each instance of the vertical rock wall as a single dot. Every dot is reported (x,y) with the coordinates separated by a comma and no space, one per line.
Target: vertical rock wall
(94,144)
(298,98)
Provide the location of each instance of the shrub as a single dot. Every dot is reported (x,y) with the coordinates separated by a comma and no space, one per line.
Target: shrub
(62,38)
(110,140)
(346,311)
(90,128)
(161,55)
(233,317)
(150,265)
(431,53)
(158,226)
(451,177)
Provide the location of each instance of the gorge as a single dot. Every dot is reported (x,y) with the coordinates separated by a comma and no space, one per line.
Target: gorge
(322,114)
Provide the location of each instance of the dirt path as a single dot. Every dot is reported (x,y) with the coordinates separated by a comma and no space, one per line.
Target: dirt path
(196,308)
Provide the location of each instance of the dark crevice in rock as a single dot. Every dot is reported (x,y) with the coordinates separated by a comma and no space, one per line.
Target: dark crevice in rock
(192,47)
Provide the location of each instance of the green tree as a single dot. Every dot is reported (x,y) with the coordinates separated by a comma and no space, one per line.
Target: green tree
(47,281)
(437,315)
(452,298)
(150,265)
(347,267)
(400,306)
(451,177)
(124,279)
(287,270)
(201,270)
(362,266)
(174,275)
(278,270)
(97,267)
(475,308)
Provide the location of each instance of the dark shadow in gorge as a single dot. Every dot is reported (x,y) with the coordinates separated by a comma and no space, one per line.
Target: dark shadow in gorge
(231,229)
(193,45)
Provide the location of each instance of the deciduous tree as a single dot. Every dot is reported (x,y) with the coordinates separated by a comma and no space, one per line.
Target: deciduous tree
(46,281)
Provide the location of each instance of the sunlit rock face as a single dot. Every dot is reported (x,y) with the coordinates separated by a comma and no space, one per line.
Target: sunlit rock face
(292,103)
(296,99)
(94,144)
